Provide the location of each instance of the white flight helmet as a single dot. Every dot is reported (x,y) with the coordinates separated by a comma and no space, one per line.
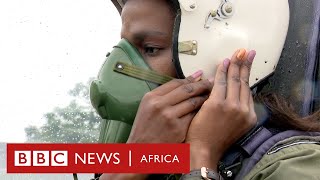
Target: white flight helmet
(207,31)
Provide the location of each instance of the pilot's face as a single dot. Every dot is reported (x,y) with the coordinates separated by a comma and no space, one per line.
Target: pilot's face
(148,25)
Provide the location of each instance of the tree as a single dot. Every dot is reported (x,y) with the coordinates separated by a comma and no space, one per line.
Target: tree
(74,123)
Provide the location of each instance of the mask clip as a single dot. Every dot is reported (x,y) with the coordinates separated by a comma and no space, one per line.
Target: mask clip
(141,73)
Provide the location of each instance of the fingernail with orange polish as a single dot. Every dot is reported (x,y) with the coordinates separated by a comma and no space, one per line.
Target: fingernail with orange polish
(241,54)
(197,74)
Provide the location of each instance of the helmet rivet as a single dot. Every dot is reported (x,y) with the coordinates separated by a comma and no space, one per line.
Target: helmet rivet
(119,66)
(228,8)
(229,173)
(194,52)
(194,42)
(192,6)
(213,13)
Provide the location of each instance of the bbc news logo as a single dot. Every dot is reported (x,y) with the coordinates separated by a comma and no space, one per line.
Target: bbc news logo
(41,158)
(98,158)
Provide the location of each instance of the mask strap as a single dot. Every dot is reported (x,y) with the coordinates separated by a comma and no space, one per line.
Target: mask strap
(141,73)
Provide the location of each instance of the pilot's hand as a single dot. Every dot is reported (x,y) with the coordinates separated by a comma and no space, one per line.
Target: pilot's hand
(227,114)
(165,113)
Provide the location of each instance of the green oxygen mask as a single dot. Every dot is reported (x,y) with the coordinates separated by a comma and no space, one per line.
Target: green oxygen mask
(116,94)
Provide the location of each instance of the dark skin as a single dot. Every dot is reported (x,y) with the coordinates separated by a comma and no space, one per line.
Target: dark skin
(189,110)
(150,31)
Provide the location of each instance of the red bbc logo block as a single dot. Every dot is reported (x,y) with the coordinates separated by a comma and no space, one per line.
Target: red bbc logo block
(40,158)
(102,158)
